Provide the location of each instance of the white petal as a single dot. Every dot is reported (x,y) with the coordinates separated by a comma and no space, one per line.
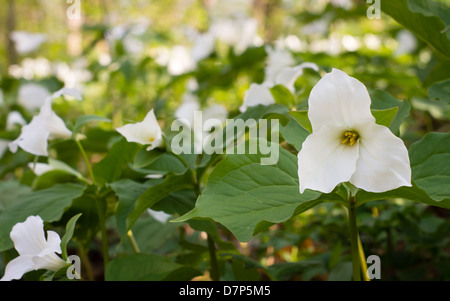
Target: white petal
(17,267)
(50,262)
(277,59)
(33,138)
(54,124)
(53,242)
(39,168)
(287,76)
(144,132)
(14,118)
(383,162)
(160,216)
(68,91)
(258,94)
(28,237)
(339,100)
(324,162)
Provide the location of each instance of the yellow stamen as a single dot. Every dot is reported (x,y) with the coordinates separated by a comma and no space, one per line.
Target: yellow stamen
(350,137)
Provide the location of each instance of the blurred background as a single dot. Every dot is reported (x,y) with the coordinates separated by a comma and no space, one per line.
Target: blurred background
(127,57)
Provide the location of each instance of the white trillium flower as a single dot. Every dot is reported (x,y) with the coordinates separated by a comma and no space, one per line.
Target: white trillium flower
(259,94)
(26,42)
(146,132)
(32,96)
(346,144)
(43,127)
(35,251)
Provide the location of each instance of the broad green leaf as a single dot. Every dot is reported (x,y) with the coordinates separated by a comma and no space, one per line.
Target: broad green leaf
(294,133)
(70,227)
(282,95)
(430,28)
(241,193)
(341,272)
(156,193)
(429,163)
(82,120)
(49,204)
(151,235)
(413,193)
(144,157)
(127,192)
(440,91)
(302,118)
(385,117)
(111,168)
(382,100)
(431,8)
(147,267)
(9,192)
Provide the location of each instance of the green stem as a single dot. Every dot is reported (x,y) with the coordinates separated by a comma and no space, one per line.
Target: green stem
(354,240)
(86,160)
(362,259)
(85,261)
(133,242)
(213,259)
(104,236)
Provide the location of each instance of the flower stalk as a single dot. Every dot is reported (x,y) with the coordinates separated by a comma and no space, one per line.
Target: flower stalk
(354,239)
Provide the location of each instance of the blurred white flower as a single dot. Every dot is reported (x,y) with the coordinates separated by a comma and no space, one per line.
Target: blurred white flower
(257,94)
(43,127)
(203,45)
(146,132)
(26,42)
(316,28)
(350,43)
(2,101)
(13,119)
(180,60)
(40,168)
(35,250)
(407,42)
(277,59)
(32,96)
(373,42)
(260,94)
(346,144)
(160,216)
(240,33)
(345,4)
(75,75)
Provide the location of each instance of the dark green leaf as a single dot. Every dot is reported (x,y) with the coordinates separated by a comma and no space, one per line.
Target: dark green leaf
(49,204)
(146,267)
(70,227)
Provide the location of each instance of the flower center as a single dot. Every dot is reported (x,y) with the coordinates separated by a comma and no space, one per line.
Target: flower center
(350,137)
